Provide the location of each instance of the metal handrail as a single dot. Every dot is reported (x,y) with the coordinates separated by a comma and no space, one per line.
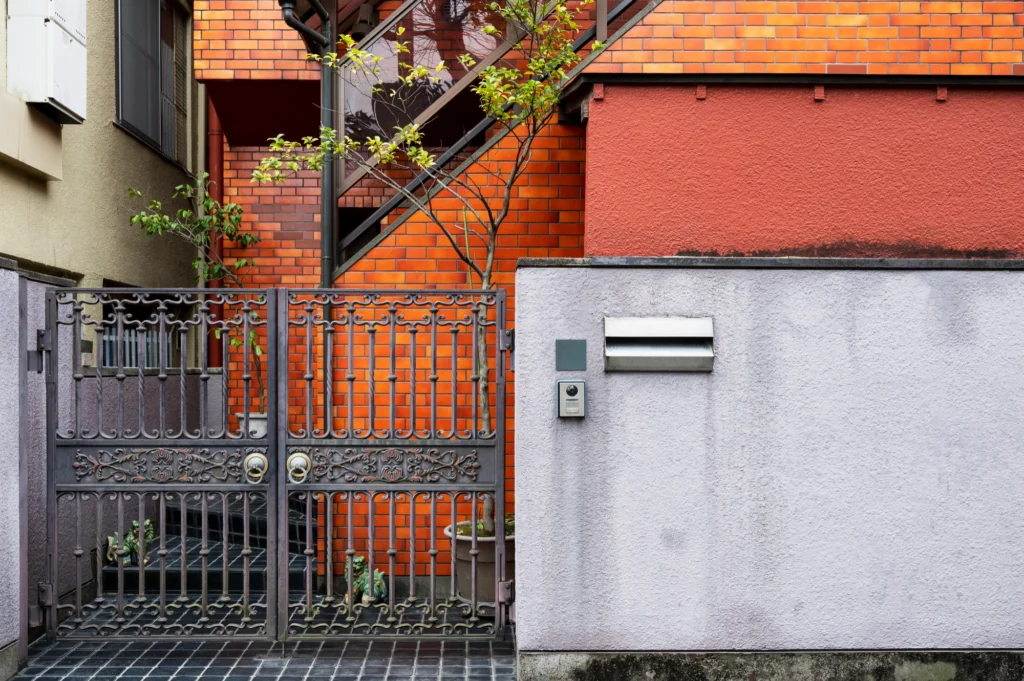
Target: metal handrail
(584,39)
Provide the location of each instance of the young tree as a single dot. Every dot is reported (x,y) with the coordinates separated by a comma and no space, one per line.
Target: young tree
(203,222)
(521,96)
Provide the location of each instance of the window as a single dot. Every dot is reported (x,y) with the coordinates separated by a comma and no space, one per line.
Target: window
(152,73)
(140,341)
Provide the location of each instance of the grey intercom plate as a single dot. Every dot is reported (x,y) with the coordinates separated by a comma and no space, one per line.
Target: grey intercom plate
(570,355)
(572,399)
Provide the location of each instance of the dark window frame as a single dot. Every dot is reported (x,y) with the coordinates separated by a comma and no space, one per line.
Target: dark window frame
(166,150)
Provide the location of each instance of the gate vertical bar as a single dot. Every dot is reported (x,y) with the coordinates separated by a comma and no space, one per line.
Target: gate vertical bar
(277,303)
(51,463)
(501,355)
(276,387)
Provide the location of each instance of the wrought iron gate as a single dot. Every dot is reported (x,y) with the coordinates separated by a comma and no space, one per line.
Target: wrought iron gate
(276,463)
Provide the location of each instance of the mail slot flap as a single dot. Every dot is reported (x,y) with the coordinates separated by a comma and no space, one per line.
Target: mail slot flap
(658,327)
(659,344)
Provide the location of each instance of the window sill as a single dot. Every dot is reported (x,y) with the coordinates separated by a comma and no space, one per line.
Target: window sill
(146,142)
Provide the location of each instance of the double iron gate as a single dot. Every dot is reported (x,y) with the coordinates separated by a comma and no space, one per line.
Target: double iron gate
(276,463)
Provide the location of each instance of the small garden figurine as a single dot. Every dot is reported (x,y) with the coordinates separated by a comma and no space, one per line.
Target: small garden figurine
(361,581)
(131,544)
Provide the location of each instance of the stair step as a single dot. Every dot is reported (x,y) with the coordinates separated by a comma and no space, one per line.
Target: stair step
(194,568)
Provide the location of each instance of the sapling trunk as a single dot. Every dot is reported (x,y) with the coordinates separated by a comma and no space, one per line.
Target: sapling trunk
(483,387)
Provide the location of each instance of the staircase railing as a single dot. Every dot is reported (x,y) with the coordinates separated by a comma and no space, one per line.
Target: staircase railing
(581,42)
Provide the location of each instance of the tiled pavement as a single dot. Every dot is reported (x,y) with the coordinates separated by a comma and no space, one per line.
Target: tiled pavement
(258,661)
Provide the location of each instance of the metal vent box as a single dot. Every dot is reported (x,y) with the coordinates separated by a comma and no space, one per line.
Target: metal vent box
(46,56)
(659,344)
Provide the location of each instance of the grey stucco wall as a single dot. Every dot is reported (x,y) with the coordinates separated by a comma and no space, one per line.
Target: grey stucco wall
(10,492)
(850,476)
(36,455)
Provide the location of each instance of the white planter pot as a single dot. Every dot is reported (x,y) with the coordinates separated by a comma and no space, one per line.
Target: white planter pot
(257,424)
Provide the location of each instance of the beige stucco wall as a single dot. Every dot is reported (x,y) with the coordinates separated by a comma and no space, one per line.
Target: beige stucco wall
(79,224)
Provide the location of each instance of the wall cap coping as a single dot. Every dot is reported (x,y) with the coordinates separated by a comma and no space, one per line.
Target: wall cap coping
(786,263)
(51,279)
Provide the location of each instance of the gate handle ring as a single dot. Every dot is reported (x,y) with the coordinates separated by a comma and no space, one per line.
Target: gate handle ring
(255,468)
(298,467)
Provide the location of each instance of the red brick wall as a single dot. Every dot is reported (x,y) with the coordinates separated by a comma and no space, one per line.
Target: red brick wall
(286,217)
(920,38)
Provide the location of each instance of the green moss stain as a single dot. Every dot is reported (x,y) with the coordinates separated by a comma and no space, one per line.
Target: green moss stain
(921,671)
(878,666)
(640,668)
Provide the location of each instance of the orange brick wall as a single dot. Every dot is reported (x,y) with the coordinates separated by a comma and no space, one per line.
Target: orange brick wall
(248,39)
(242,39)
(898,38)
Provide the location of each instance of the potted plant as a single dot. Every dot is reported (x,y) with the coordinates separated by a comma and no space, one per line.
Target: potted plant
(485,562)
(203,223)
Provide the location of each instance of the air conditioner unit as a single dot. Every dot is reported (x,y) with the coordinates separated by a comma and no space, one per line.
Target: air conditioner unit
(46,56)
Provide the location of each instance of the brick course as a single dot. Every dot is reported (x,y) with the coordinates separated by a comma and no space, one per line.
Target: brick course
(881,38)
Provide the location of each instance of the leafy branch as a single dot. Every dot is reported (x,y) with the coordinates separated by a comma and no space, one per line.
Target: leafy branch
(203,223)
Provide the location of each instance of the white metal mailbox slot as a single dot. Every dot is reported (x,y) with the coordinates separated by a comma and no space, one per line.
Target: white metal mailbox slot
(659,344)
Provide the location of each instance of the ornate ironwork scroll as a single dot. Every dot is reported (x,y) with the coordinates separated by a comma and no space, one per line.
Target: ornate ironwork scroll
(161,465)
(394,465)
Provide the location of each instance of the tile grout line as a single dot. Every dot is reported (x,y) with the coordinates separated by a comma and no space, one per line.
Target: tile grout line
(337,663)
(286,658)
(136,659)
(212,659)
(166,655)
(366,656)
(57,661)
(391,659)
(238,657)
(316,655)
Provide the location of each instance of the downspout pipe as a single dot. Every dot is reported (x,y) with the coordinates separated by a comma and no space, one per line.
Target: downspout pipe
(215,167)
(328,202)
(319,42)
(315,42)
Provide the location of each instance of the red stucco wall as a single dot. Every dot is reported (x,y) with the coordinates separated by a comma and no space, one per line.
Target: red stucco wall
(867,171)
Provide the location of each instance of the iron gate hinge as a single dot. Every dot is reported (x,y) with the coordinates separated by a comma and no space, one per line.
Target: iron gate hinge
(35,357)
(35,612)
(508,591)
(45,594)
(510,345)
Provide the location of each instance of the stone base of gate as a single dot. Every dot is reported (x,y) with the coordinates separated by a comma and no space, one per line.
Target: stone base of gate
(9,661)
(773,666)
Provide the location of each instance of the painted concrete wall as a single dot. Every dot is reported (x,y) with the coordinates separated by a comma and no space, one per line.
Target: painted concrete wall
(849,476)
(867,171)
(10,492)
(79,225)
(36,455)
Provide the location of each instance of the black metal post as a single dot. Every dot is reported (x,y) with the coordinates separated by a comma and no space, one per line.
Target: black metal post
(320,42)
(328,201)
